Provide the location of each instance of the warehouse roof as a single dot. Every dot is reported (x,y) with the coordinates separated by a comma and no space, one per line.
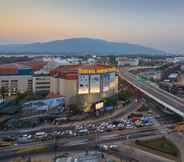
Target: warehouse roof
(11,68)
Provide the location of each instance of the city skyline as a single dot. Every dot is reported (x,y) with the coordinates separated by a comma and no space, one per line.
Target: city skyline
(155,24)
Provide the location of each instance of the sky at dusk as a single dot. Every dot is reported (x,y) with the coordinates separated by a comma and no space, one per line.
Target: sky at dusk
(154,23)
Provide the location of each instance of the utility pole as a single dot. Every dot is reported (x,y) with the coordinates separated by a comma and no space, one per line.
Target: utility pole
(54,148)
(96,138)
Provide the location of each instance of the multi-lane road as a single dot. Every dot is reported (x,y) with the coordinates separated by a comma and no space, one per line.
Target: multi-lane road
(82,142)
(120,113)
(75,142)
(168,100)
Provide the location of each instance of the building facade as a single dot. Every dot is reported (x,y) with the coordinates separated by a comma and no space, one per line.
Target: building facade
(84,84)
(17,78)
(41,83)
(19,81)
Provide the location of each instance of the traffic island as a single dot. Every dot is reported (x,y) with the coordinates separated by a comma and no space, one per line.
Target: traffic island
(160,146)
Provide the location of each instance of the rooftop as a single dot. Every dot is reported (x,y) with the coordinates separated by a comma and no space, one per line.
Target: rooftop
(71,72)
(12,68)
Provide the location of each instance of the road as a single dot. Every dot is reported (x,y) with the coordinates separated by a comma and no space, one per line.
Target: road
(81,143)
(123,112)
(168,100)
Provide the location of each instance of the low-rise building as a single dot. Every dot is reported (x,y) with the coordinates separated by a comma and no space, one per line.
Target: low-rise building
(15,79)
(124,61)
(41,82)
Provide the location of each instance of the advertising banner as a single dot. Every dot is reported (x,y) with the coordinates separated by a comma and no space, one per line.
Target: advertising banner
(108,108)
(83,84)
(95,84)
(54,102)
(106,80)
(112,79)
(99,105)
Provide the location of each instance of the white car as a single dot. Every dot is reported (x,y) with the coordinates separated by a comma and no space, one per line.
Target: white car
(129,126)
(27,136)
(83,131)
(105,147)
(113,147)
(40,134)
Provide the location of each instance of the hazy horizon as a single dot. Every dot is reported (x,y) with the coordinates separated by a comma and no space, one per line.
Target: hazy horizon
(157,24)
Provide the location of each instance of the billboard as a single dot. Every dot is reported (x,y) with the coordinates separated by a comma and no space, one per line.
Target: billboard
(99,105)
(54,102)
(83,84)
(95,84)
(45,104)
(109,108)
(105,80)
(112,79)
(97,71)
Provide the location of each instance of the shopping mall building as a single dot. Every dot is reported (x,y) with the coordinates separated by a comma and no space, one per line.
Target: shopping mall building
(84,84)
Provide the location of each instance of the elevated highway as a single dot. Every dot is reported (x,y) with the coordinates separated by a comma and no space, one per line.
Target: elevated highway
(166,99)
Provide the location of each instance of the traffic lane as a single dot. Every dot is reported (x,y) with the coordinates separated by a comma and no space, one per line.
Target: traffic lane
(158,94)
(90,131)
(156,90)
(100,138)
(89,136)
(87,145)
(52,128)
(162,91)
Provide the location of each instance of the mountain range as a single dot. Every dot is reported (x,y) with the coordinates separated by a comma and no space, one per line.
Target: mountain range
(80,46)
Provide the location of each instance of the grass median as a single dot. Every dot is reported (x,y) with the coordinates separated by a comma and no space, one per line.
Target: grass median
(160,145)
(33,149)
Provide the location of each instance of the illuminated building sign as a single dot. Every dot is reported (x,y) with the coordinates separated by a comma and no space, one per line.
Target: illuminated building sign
(83,84)
(112,80)
(99,105)
(97,71)
(105,81)
(95,84)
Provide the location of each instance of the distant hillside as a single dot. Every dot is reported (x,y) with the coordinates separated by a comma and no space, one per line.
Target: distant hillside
(81,46)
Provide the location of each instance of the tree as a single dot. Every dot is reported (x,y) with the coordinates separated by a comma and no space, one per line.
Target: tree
(73,109)
(111,100)
(112,60)
(75,105)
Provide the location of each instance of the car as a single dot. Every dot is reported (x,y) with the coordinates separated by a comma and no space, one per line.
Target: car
(70,132)
(27,136)
(56,133)
(103,147)
(129,126)
(113,147)
(41,134)
(120,126)
(83,131)
(100,130)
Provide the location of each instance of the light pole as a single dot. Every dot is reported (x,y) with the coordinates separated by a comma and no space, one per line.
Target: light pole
(54,148)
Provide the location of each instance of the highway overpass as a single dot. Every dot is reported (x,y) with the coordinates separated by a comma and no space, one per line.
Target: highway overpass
(166,99)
